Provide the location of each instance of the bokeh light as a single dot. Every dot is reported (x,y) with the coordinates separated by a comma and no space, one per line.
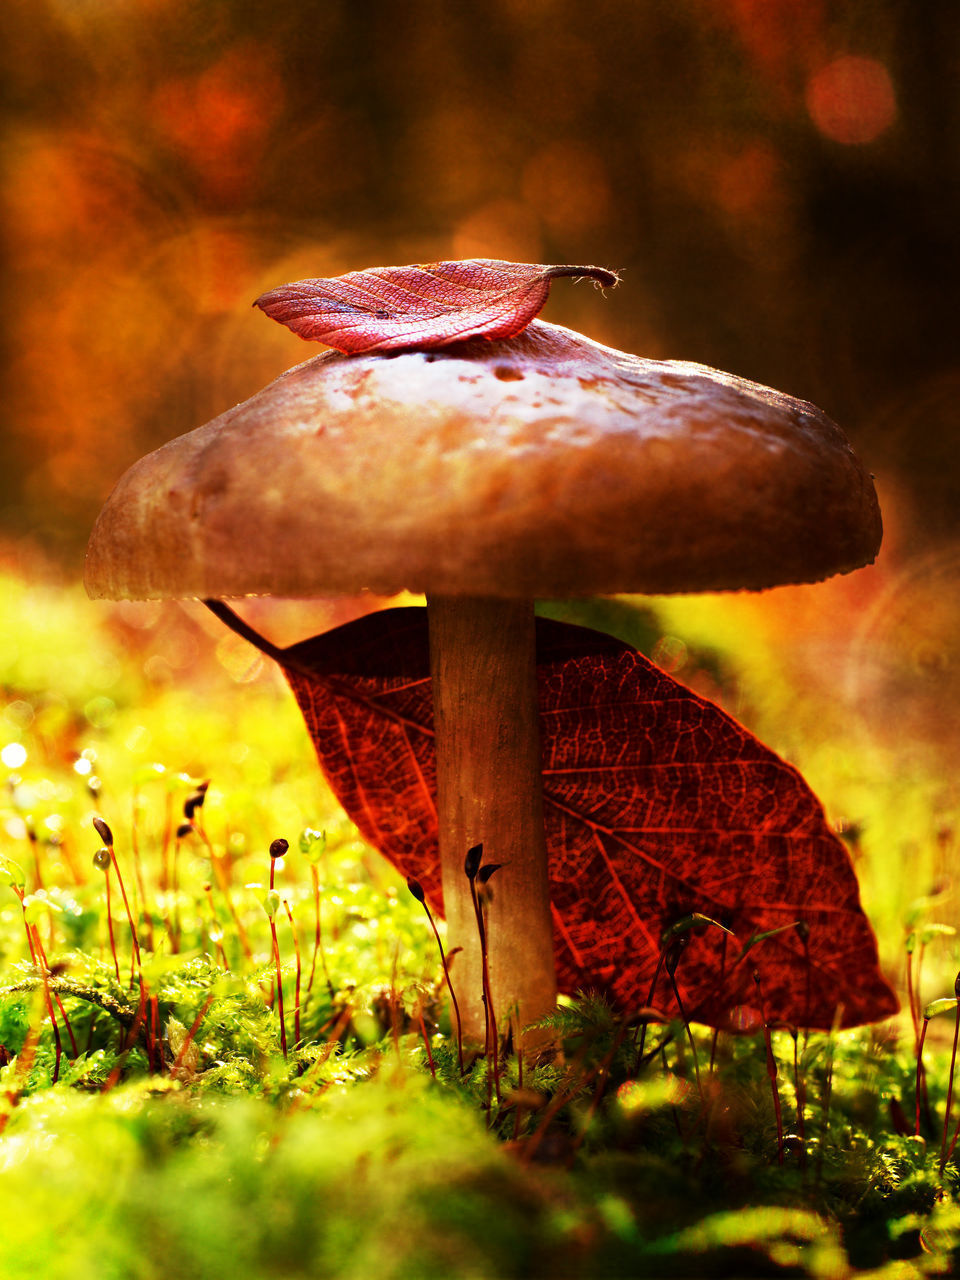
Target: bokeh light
(164,166)
(851,100)
(14,755)
(220,120)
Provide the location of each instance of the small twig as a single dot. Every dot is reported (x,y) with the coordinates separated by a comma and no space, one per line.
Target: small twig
(123,1013)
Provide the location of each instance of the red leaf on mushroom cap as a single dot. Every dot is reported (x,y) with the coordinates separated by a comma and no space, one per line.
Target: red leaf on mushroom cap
(662,813)
(426,305)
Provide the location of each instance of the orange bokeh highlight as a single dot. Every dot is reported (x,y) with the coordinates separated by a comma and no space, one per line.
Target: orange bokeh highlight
(221,119)
(851,100)
(748,184)
(567,184)
(506,229)
(777,37)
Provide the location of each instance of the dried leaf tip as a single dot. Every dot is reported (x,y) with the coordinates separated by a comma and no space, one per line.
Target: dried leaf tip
(425,305)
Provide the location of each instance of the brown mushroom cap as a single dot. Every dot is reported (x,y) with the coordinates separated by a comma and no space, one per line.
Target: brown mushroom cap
(541,465)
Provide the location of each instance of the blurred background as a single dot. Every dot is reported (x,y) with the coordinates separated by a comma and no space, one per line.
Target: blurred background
(777,181)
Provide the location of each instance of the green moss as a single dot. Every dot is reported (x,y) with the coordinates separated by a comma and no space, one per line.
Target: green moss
(348,1158)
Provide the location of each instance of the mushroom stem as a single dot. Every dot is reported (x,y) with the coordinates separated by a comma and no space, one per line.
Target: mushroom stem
(490,792)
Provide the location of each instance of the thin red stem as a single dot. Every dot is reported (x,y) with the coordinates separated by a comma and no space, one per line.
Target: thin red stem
(191,1034)
(800,1089)
(650,995)
(113,941)
(175,890)
(490,1035)
(208,890)
(276,957)
(771,1068)
(949,1103)
(693,1047)
(53,1018)
(518,1113)
(953,1142)
(27,929)
(453,996)
(426,1043)
(296,949)
(165,844)
(35,850)
(917,1089)
(315,880)
(156,1040)
(223,883)
(318,948)
(138,870)
(772,1076)
(45,969)
(140,1021)
(126,906)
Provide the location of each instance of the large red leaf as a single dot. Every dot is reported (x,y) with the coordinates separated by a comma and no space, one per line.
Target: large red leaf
(657,804)
(427,305)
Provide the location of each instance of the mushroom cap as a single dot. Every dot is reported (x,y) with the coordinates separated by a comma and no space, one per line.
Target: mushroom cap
(540,465)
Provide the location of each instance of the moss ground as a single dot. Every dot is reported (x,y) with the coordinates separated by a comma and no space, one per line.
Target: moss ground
(171,1135)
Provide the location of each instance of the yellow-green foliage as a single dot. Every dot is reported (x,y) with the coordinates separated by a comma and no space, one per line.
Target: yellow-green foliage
(350,1156)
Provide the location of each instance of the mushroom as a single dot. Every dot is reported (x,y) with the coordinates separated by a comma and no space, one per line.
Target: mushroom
(484,475)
